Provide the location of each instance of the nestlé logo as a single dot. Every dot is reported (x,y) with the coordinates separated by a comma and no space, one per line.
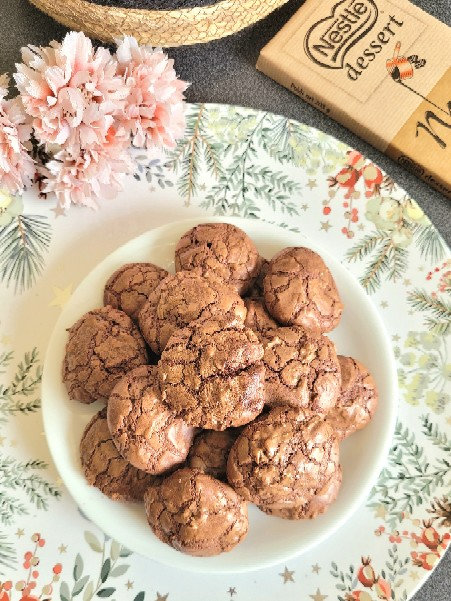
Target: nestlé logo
(329,40)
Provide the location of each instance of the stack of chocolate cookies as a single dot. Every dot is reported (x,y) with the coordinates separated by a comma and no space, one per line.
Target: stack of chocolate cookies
(221,388)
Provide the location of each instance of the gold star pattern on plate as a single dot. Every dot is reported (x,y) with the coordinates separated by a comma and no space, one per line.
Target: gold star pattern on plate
(361,226)
(287,575)
(202,187)
(161,597)
(232,591)
(62,548)
(396,338)
(129,584)
(6,340)
(380,511)
(318,596)
(407,282)
(59,211)
(325,225)
(60,296)
(304,207)
(20,532)
(414,575)
(312,184)
(384,304)
(316,568)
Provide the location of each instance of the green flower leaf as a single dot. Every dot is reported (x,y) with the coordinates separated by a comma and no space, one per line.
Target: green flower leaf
(64,592)
(115,550)
(106,592)
(105,569)
(89,591)
(78,567)
(119,570)
(93,541)
(125,552)
(79,586)
(140,596)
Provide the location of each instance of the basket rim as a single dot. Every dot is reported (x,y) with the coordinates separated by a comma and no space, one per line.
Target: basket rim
(199,23)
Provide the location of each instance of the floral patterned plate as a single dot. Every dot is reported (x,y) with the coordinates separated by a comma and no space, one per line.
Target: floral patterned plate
(233,162)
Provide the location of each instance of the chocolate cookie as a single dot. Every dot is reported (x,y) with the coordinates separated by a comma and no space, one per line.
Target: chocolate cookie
(282,457)
(211,374)
(183,298)
(300,290)
(311,507)
(196,514)
(256,290)
(104,467)
(258,319)
(223,249)
(128,288)
(358,398)
(302,369)
(210,450)
(103,346)
(144,430)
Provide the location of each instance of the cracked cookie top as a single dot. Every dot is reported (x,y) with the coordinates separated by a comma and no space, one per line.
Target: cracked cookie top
(183,298)
(222,249)
(357,400)
(283,456)
(129,286)
(103,346)
(258,319)
(300,290)
(211,374)
(302,369)
(210,450)
(144,430)
(310,507)
(196,514)
(105,468)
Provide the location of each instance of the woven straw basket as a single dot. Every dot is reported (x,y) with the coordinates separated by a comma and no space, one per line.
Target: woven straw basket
(159,27)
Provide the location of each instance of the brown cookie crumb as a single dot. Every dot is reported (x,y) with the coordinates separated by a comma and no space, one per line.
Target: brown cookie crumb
(358,398)
(105,468)
(196,514)
(183,298)
(129,286)
(211,374)
(210,450)
(300,290)
(223,249)
(144,430)
(103,346)
(282,458)
(313,507)
(302,369)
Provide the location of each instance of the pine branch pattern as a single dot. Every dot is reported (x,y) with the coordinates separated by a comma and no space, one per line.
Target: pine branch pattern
(8,557)
(25,382)
(23,243)
(410,478)
(438,318)
(23,477)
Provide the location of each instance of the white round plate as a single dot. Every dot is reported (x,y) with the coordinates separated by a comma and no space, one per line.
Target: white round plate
(360,334)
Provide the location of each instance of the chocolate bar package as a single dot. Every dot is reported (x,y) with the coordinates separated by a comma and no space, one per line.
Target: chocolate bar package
(381,68)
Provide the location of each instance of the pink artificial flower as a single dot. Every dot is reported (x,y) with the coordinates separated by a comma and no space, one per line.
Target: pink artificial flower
(16,166)
(72,91)
(94,173)
(154,110)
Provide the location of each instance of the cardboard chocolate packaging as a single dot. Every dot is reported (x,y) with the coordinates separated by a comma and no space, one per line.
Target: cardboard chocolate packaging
(382,68)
